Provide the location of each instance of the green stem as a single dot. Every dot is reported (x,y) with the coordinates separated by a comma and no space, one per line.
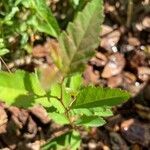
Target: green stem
(61,101)
(55,97)
(66,109)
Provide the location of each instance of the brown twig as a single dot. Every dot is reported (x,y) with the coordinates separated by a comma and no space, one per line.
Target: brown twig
(5,65)
(59,132)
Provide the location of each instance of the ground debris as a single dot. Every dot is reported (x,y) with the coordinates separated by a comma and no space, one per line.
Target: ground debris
(3,120)
(40,113)
(117,142)
(114,66)
(110,37)
(135,132)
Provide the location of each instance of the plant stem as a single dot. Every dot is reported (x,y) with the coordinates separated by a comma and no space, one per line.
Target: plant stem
(61,101)
(129,13)
(55,97)
(60,132)
(5,65)
(66,109)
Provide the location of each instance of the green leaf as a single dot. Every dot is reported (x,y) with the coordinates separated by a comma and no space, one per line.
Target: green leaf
(56,92)
(74,82)
(103,111)
(59,118)
(90,121)
(55,98)
(43,100)
(82,111)
(70,141)
(81,37)
(74,3)
(39,25)
(3,51)
(91,97)
(44,13)
(21,89)
(9,16)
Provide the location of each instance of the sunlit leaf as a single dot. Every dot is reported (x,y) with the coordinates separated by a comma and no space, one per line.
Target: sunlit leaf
(3,51)
(59,118)
(74,3)
(11,14)
(21,89)
(74,82)
(70,141)
(90,121)
(63,99)
(91,97)
(81,37)
(103,111)
(43,12)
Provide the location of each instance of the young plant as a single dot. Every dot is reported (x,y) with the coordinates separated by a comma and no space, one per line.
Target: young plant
(67,101)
